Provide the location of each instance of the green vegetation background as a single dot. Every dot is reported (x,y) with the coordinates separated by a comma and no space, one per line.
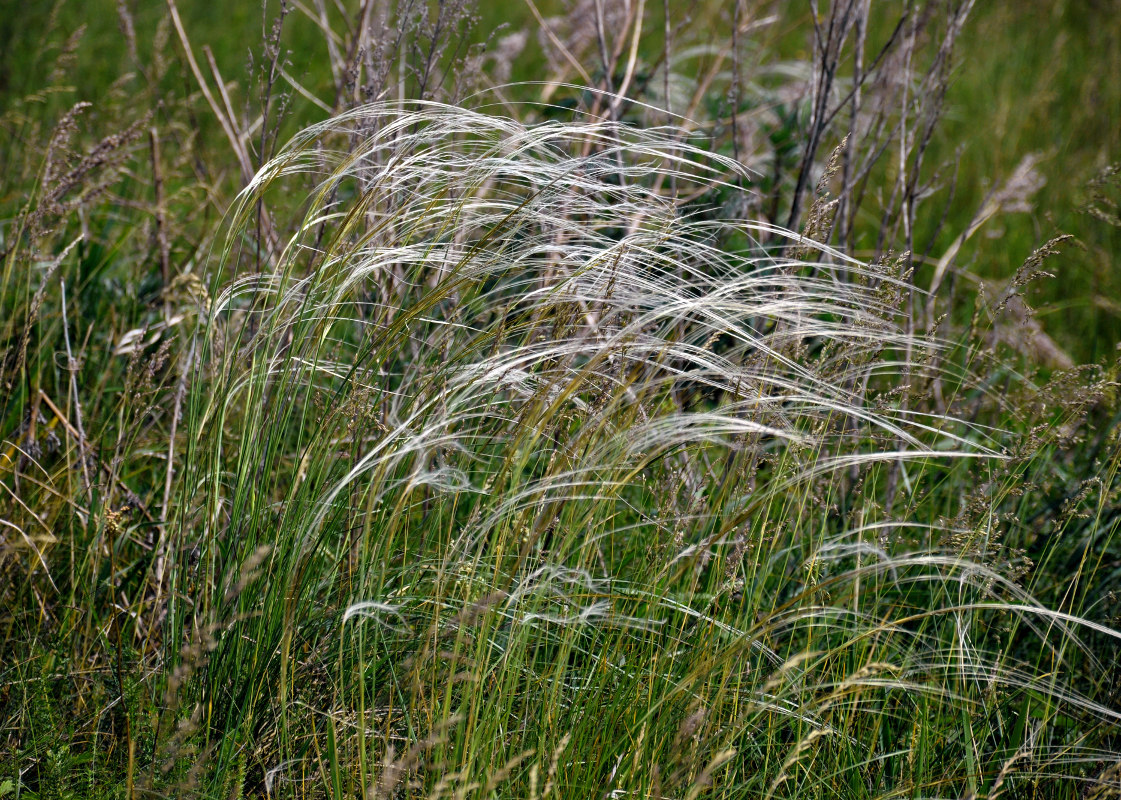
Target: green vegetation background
(1034,77)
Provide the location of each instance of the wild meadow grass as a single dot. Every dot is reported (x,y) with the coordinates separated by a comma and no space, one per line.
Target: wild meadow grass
(549,489)
(486,449)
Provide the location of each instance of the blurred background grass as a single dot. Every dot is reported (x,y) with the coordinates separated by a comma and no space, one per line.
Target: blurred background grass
(1033,77)
(1041,77)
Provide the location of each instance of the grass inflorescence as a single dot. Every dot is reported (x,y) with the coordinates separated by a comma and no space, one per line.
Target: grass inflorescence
(480,448)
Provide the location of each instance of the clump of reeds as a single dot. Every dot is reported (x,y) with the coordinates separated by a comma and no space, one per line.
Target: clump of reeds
(497,458)
(568,492)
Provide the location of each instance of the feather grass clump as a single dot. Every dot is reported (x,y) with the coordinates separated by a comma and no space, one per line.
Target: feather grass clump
(568,489)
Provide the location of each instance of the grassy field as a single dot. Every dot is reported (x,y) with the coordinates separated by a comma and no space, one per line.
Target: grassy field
(560,400)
